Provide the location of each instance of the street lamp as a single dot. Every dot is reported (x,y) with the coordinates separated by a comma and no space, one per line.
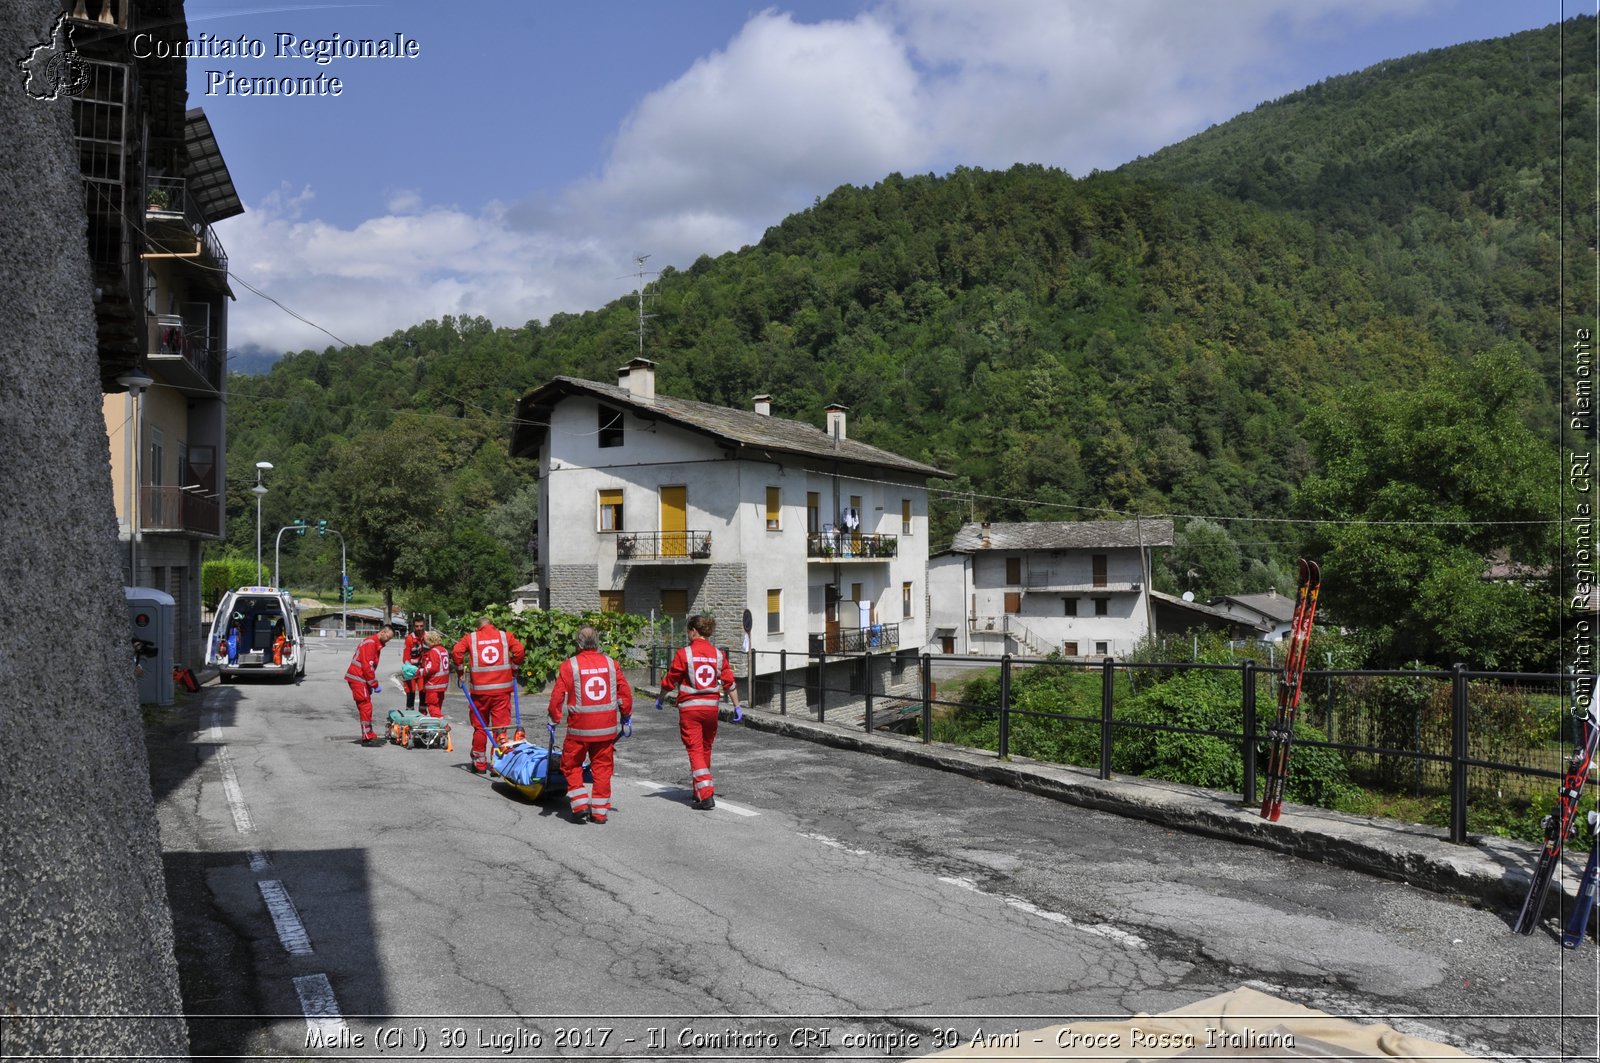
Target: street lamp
(136,381)
(258,490)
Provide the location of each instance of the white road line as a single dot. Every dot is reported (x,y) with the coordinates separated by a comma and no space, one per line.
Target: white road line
(833,843)
(236,805)
(1105,930)
(738,810)
(290,930)
(323,1018)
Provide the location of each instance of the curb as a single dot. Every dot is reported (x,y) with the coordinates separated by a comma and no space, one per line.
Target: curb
(1488,870)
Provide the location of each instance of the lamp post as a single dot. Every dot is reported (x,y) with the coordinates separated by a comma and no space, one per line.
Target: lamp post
(258,490)
(136,382)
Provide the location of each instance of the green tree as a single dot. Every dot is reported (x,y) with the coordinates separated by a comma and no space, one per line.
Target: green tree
(1417,488)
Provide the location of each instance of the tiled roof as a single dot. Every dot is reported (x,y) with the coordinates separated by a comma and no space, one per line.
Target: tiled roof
(1062,535)
(1269,604)
(743,428)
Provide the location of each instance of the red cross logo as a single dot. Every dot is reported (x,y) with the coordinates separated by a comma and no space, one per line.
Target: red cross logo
(596,689)
(489,654)
(704,675)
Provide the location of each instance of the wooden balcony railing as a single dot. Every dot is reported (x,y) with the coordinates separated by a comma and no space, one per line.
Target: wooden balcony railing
(173,509)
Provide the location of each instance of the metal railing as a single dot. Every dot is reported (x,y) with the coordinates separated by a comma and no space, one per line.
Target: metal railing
(873,637)
(664,546)
(1445,735)
(841,545)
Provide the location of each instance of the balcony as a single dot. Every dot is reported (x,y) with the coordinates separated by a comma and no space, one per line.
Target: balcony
(176,228)
(174,344)
(176,509)
(874,637)
(680,547)
(831,545)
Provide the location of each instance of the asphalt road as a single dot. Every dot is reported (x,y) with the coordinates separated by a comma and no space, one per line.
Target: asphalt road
(389,903)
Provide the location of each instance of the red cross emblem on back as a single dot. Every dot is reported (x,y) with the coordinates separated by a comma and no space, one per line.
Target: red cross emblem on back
(489,653)
(595,689)
(704,675)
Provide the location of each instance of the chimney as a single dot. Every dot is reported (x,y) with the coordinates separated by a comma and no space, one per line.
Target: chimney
(985,535)
(835,414)
(639,377)
(763,405)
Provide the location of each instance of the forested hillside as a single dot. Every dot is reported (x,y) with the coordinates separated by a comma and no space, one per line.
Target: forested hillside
(1149,340)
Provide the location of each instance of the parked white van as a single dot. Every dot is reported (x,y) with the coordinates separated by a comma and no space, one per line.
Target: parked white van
(257,632)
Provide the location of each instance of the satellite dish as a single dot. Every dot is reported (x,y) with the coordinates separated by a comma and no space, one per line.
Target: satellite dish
(1188,596)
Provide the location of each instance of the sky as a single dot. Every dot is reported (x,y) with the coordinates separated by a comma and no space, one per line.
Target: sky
(516,157)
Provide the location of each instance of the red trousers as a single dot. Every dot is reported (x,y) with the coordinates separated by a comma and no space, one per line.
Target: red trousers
(433,703)
(363,698)
(495,709)
(601,753)
(698,729)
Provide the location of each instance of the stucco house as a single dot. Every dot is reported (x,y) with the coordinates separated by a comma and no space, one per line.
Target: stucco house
(1077,588)
(654,504)
(1270,612)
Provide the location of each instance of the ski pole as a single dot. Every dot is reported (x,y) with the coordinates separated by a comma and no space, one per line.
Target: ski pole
(1578,924)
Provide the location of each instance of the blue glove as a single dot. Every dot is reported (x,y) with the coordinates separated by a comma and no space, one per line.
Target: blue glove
(738,714)
(376,689)
(627,727)
(552,731)
(658,703)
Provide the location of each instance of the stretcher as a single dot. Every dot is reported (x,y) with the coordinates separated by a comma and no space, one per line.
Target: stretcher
(418,730)
(517,762)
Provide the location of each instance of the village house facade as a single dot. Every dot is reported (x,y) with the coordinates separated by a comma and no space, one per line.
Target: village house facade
(154,187)
(1077,588)
(662,506)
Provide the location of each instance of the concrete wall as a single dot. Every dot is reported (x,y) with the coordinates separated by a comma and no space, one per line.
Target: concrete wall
(86,929)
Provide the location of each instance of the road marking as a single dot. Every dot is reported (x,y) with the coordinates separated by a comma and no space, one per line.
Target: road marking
(321,1008)
(240,811)
(833,843)
(663,788)
(1105,930)
(290,930)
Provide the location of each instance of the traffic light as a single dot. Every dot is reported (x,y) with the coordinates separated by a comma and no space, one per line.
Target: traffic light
(299,525)
(322,527)
(349,593)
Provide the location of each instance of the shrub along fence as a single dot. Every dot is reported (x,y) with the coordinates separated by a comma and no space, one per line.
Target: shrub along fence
(1456,737)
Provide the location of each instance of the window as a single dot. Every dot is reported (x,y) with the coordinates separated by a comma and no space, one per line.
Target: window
(1013,571)
(1069,607)
(774,509)
(1069,649)
(813,513)
(905,516)
(774,611)
(674,603)
(611,510)
(1013,602)
(1099,563)
(610,427)
(1102,607)
(1102,649)
(611,602)
(905,600)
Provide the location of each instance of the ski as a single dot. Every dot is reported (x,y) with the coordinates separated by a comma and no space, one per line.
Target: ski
(1578,923)
(1559,824)
(1294,668)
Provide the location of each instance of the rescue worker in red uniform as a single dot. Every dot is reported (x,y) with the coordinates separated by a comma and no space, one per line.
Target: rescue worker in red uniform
(491,657)
(362,675)
(699,675)
(434,674)
(411,653)
(593,687)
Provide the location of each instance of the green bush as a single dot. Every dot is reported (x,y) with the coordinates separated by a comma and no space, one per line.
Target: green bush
(222,575)
(548,634)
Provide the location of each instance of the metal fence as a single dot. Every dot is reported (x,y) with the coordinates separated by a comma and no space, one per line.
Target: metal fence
(1454,732)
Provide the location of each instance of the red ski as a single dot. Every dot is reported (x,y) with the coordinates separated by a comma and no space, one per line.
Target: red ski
(1562,821)
(1294,669)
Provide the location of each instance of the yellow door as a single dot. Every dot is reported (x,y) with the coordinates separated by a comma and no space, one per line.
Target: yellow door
(674,521)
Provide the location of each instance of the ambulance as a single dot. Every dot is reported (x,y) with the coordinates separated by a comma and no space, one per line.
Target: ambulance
(257,633)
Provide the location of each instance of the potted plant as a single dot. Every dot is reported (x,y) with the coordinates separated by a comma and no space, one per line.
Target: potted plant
(157,198)
(702,549)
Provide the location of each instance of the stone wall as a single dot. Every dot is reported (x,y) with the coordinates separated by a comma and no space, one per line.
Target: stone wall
(87,930)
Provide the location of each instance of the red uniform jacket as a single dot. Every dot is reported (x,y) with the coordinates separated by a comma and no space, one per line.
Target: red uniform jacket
(594,686)
(700,673)
(493,656)
(364,664)
(435,673)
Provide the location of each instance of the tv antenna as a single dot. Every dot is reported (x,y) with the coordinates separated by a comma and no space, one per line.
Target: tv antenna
(642,273)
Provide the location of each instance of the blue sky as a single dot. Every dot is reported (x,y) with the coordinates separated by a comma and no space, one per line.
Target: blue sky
(515,166)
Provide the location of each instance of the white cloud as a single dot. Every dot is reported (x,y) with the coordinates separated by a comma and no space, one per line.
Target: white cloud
(785,112)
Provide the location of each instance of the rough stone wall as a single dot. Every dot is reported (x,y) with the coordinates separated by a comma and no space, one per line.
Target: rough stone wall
(86,928)
(572,589)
